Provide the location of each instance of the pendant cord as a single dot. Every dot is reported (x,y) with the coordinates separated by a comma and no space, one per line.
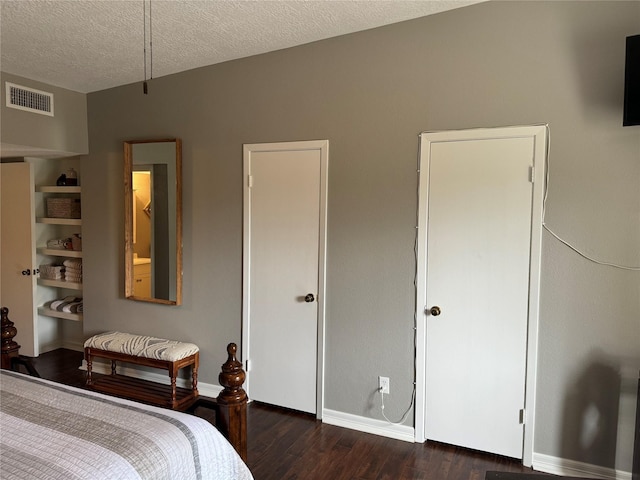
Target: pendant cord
(144,40)
(144,44)
(150,43)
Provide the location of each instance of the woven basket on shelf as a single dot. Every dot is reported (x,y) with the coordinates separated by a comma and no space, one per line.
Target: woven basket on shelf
(51,272)
(63,207)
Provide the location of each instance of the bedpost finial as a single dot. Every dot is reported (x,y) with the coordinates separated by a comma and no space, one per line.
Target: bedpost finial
(231,378)
(8,331)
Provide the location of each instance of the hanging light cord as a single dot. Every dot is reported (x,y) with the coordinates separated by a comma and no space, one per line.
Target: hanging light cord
(144,44)
(150,43)
(144,29)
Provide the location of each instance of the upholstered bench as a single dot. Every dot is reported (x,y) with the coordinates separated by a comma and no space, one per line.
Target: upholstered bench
(150,352)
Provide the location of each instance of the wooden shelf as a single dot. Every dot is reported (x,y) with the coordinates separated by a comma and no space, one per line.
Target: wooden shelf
(59,221)
(47,312)
(59,252)
(59,284)
(56,189)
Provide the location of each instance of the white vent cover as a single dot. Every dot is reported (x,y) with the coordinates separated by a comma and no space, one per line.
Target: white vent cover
(29,99)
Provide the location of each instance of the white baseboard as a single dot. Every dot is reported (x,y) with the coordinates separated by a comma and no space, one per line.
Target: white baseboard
(571,468)
(77,346)
(48,347)
(205,389)
(368,425)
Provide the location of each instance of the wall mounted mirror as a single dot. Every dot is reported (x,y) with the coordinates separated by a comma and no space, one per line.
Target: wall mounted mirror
(153,220)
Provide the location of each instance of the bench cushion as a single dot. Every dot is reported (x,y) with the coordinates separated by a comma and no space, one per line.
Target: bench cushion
(141,346)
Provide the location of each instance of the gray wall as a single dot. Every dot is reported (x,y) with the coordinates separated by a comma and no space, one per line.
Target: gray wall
(370,94)
(65,132)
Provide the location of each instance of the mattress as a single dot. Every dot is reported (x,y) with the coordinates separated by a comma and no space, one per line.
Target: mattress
(53,431)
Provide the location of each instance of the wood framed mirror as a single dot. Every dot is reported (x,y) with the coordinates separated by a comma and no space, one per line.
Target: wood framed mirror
(153,220)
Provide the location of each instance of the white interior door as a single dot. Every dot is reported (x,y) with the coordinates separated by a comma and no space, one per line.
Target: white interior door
(17,250)
(283,278)
(477,258)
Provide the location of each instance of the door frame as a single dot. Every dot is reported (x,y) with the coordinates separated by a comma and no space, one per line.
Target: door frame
(323,147)
(538,176)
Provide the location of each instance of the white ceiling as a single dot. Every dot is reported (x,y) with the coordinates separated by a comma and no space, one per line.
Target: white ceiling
(91,45)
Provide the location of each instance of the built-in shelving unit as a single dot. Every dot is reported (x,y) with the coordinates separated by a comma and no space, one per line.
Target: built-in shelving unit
(61,285)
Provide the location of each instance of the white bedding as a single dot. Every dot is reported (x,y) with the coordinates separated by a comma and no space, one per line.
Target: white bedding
(52,431)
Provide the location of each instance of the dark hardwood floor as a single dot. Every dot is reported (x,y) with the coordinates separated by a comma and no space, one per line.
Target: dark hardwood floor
(290,445)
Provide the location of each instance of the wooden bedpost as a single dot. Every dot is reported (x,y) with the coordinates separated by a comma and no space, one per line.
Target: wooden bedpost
(10,349)
(232,402)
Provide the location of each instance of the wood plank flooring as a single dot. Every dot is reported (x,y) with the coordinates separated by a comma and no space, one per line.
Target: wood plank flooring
(290,445)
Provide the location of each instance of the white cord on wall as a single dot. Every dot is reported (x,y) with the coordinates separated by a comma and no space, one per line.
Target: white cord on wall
(415,309)
(556,236)
(599,262)
(406,414)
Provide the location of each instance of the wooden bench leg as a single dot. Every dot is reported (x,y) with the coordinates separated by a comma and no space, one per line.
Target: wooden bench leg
(88,358)
(173,373)
(194,375)
(194,380)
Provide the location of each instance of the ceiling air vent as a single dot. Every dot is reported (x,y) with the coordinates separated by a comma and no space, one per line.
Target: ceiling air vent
(29,99)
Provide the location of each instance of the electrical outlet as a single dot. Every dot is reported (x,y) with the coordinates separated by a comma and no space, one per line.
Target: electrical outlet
(383,384)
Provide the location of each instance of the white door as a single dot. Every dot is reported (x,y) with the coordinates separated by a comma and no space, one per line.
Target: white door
(477,254)
(18,253)
(283,272)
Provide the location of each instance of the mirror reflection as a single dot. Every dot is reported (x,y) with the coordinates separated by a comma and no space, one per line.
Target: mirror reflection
(153,244)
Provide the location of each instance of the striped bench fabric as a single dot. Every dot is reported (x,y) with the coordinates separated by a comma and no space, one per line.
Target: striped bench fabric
(141,346)
(149,351)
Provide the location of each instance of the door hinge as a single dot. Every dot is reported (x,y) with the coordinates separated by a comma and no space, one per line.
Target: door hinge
(523,416)
(250,181)
(531,174)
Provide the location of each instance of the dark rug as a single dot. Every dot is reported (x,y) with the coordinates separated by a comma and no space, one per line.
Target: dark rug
(525,476)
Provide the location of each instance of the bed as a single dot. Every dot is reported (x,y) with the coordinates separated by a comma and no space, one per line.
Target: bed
(52,431)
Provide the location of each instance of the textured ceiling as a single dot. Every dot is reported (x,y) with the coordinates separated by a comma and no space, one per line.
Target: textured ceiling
(89,45)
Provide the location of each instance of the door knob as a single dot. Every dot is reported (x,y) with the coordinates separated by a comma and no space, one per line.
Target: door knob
(309,298)
(435,311)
